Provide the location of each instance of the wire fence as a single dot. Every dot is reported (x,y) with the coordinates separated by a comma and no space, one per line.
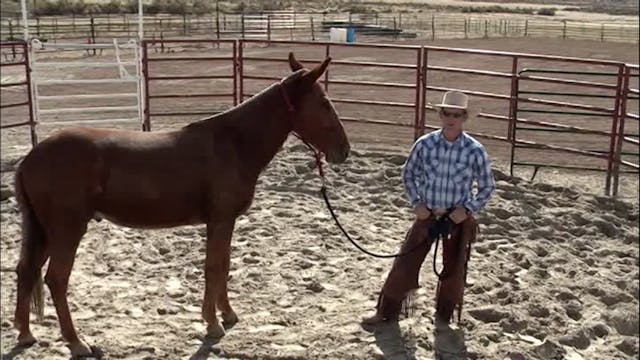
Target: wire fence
(314,26)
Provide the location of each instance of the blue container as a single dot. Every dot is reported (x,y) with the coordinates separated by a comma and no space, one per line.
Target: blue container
(351,34)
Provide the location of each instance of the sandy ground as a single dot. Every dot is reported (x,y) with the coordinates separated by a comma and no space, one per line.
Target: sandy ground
(553,274)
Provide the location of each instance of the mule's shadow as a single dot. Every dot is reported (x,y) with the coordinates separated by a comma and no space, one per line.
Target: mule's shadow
(206,348)
(97,353)
(15,351)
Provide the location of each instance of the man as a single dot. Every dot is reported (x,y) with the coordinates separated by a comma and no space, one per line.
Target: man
(438,177)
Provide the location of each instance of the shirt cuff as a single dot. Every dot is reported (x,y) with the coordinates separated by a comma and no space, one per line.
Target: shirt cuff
(470,207)
(414,203)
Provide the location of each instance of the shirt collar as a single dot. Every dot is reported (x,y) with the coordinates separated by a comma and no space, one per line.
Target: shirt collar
(458,141)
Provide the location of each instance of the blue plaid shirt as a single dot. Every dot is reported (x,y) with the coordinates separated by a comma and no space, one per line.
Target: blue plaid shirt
(439,174)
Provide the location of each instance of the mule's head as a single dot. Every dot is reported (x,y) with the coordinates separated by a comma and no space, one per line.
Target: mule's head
(314,117)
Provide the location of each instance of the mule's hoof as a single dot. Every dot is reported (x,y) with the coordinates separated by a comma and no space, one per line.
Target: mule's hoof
(26,341)
(215,331)
(372,320)
(81,350)
(230,318)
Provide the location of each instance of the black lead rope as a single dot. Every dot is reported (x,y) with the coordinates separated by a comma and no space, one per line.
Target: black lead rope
(323,190)
(439,230)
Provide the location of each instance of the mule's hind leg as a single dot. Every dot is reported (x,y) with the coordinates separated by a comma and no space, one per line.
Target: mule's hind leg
(67,237)
(216,273)
(29,276)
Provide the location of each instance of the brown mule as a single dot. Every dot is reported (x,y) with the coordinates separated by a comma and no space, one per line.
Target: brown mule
(203,173)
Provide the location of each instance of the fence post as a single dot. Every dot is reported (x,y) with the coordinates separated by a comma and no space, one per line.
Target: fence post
(268,30)
(313,33)
(564,29)
(37,26)
(526,28)
(620,138)
(13,47)
(417,128)
(30,94)
(146,126)
(93,34)
(486,28)
(614,130)
(326,73)
(433,27)
(465,29)
(184,24)
(240,71)
(602,32)
(513,100)
(400,20)
(423,91)
(395,29)
(242,24)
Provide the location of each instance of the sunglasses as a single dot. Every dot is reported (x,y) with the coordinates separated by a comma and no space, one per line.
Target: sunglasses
(455,115)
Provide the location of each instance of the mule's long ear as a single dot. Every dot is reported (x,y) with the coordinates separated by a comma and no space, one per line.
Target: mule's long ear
(312,76)
(293,63)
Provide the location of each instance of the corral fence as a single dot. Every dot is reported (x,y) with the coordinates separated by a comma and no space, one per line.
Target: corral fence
(116,95)
(311,26)
(568,130)
(19,52)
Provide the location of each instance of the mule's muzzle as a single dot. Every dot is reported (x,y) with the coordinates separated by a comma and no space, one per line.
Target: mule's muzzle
(338,155)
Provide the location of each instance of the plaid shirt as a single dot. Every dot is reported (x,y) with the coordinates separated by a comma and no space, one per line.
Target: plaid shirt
(439,174)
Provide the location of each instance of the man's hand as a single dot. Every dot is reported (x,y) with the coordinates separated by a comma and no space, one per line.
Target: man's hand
(458,215)
(422,213)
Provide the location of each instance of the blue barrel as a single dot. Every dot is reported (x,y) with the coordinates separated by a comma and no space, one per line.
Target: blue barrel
(351,34)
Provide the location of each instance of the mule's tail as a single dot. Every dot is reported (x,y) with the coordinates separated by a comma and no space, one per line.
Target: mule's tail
(33,248)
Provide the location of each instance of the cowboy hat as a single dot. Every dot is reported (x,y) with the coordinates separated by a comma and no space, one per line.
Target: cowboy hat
(454,100)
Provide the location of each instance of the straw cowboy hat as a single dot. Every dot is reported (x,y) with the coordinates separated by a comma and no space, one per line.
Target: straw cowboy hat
(455,100)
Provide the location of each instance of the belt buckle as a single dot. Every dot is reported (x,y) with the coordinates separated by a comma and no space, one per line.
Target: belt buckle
(439,214)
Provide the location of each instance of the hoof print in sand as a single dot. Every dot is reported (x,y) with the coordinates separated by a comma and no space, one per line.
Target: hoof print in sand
(488,315)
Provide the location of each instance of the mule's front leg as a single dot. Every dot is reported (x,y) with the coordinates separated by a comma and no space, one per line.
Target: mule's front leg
(216,271)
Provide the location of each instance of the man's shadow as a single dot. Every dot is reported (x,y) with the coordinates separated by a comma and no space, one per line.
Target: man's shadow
(389,339)
(449,343)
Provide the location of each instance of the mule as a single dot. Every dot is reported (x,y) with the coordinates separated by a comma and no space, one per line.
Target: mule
(202,173)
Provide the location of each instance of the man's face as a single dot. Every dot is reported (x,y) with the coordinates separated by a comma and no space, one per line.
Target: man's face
(452,119)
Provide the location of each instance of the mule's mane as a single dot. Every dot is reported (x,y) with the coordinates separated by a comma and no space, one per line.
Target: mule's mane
(252,101)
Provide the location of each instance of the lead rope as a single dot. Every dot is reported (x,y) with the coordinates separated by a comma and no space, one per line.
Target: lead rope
(323,188)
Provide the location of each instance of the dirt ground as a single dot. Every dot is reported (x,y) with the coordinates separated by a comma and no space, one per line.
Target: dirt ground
(554,270)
